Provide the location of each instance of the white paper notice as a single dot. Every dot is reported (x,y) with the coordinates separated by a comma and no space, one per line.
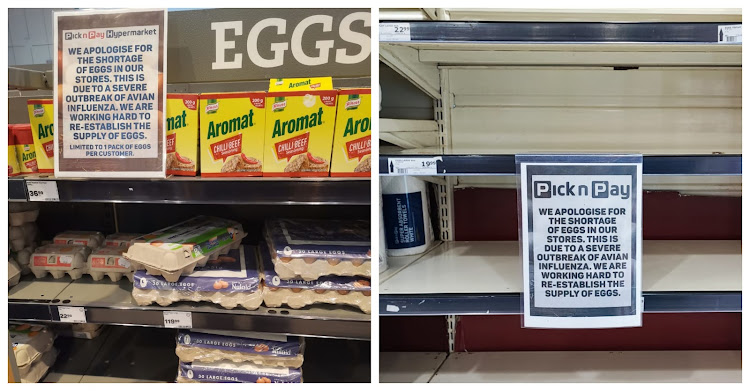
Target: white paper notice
(110,92)
(581,231)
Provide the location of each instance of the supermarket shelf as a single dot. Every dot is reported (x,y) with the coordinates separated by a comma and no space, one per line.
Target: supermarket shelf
(197,190)
(490,164)
(409,367)
(111,303)
(557,32)
(471,278)
(696,366)
(128,355)
(119,354)
(16,189)
(396,264)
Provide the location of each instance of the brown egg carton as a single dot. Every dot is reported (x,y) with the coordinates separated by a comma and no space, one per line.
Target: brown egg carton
(115,266)
(91,239)
(298,297)
(193,353)
(310,269)
(59,260)
(228,300)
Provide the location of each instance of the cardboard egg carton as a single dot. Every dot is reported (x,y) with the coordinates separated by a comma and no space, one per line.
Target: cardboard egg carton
(248,301)
(297,293)
(22,236)
(309,249)
(230,281)
(109,261)
(29,342)
(22,212)
(208,347)
(23,257)
(120,239)
(91,239)
(14,273)
(177,250)
(231,372)
(59,260)
(36,371)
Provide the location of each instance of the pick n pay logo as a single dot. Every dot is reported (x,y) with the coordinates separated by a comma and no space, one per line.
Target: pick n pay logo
(597,189)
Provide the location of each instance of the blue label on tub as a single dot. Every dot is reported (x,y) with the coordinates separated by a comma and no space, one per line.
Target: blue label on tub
(404,225)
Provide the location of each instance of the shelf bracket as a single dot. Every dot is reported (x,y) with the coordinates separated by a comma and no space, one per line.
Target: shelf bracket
(405,61)
(451,323)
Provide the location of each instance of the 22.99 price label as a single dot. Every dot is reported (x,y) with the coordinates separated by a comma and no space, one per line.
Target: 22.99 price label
(395,32)
(72,314)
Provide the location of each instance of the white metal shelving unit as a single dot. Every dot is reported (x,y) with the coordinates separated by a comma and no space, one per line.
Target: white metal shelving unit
(504,82)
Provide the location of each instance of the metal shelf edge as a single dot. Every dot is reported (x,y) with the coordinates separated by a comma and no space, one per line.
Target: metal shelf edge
(704,33)
(197,191)
(152,317)
(453,165)
(510,303)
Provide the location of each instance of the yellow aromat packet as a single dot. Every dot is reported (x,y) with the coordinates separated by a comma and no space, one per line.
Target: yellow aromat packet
(42,120)
(351,142)
(299,131)
(301,84)
(182,134)
(13,168)
(231,134)
(25,152)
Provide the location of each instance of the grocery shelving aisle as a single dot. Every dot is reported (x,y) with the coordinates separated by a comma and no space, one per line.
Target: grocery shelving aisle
(710,366)
(138,342)
(505,83)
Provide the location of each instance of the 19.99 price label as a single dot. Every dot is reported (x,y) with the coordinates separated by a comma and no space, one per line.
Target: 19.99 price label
(413,166)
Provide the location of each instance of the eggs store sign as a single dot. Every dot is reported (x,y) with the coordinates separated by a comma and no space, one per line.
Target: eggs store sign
(261,44)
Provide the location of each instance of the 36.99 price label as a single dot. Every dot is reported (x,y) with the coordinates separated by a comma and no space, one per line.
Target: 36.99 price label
(45,191)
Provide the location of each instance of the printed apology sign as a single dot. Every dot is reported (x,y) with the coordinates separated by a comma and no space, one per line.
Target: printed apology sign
(110,93)
(581,240)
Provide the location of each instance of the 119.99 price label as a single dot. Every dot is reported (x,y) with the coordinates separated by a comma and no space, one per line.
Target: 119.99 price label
(45,191)
(178,320)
